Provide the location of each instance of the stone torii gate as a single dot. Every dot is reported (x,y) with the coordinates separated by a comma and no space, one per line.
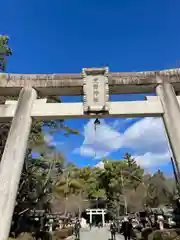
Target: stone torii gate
(96,211)
(95,85)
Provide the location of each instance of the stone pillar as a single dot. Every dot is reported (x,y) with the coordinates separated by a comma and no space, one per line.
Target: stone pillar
(90,214)
(103,218)
(13,158)
(171,118)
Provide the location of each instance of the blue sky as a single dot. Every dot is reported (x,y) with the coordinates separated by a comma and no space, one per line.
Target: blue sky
(66,36)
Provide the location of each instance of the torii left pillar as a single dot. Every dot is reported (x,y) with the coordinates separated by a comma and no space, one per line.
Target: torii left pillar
(13,158)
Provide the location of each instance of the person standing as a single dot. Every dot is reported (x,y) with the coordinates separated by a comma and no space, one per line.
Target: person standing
(126,229)
(113,230)
(77,227)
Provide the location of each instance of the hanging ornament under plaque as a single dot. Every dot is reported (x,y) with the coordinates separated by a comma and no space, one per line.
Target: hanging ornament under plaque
(96,123)
(96,90)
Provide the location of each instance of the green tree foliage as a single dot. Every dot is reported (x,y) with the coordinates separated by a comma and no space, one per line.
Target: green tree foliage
(70,189)
(40,174)
(69,183)
(118,178)
(159,190)
(125,186)
(122,182)
(92,185)
(5,51)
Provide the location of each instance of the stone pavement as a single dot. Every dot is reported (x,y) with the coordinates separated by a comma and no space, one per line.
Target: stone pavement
(98,234)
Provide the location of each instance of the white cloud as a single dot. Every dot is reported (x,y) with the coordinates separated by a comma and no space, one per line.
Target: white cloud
(146,137)
(103,138)
(150,159)
(90,152)
(120,123)
(100,142)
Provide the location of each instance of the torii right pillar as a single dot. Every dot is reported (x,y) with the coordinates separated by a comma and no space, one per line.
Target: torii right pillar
(171,117)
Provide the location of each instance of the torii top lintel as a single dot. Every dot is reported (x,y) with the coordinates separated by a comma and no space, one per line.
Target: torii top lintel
(72,84)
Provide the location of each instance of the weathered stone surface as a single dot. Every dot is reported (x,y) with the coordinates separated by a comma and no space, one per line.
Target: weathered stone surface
(171,118)
(13,158)
(55,111)
(96,91)
(72,84)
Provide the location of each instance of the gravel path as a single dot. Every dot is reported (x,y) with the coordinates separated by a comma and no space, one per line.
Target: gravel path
(99,234)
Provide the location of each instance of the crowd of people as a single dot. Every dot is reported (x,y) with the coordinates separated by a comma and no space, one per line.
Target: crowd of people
(126,228)
(127,225)
(40,222)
